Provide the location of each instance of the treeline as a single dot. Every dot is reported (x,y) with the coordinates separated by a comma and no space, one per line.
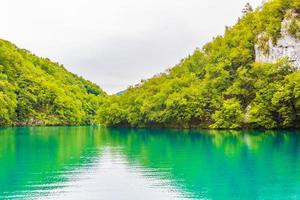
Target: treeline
(36,91)
(220,85)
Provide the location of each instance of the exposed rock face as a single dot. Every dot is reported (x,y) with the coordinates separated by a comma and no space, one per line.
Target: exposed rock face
(287,47)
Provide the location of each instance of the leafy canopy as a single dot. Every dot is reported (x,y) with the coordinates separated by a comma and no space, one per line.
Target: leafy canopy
(220,85)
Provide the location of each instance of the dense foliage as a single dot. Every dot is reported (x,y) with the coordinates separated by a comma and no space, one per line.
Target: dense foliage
(36,91)
(220,85)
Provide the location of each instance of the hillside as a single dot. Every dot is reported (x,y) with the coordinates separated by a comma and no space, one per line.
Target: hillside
(36,91)
(223,84)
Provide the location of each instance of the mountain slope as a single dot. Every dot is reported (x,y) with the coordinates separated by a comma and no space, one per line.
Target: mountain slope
(220,85)
(36,91)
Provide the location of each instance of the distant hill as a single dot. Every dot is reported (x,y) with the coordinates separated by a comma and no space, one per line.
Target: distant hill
(120,93)
(37,91)
(247,78)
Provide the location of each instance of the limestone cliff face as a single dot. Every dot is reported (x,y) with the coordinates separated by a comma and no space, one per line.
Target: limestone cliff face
(287,47)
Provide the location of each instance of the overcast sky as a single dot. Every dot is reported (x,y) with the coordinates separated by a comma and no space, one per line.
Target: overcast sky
(116,43)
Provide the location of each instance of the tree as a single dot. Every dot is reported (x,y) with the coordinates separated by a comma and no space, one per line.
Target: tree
(230,116)
(248,8)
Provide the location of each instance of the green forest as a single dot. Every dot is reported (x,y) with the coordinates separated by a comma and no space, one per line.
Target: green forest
(219,86)
(36,91)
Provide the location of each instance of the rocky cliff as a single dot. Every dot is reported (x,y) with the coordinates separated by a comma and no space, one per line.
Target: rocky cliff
(287,46)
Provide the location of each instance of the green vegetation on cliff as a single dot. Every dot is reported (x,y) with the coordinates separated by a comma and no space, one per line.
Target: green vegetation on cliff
(220,85)
(36,91)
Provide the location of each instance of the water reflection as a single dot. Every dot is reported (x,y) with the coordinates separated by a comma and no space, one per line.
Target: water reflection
(99,163)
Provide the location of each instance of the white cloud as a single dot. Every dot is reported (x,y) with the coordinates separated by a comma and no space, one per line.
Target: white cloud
(116,43)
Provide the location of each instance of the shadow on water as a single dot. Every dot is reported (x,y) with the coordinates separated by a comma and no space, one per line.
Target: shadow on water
(200,164)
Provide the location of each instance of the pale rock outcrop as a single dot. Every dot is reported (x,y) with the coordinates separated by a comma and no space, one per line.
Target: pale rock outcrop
(287,47)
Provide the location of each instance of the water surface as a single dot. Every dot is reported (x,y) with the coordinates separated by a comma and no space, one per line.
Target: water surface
(98,163)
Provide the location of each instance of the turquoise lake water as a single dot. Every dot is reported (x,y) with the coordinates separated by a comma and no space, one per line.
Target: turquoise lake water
(97,163)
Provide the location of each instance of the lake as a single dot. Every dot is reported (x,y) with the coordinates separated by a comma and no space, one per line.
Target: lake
(98,163)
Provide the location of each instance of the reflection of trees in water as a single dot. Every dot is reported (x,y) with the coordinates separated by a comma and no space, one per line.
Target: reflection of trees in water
(33,157)
(244,162)
(206,163)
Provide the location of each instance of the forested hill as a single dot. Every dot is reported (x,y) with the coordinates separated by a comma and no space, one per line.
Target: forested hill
(36,91)
(221,85)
